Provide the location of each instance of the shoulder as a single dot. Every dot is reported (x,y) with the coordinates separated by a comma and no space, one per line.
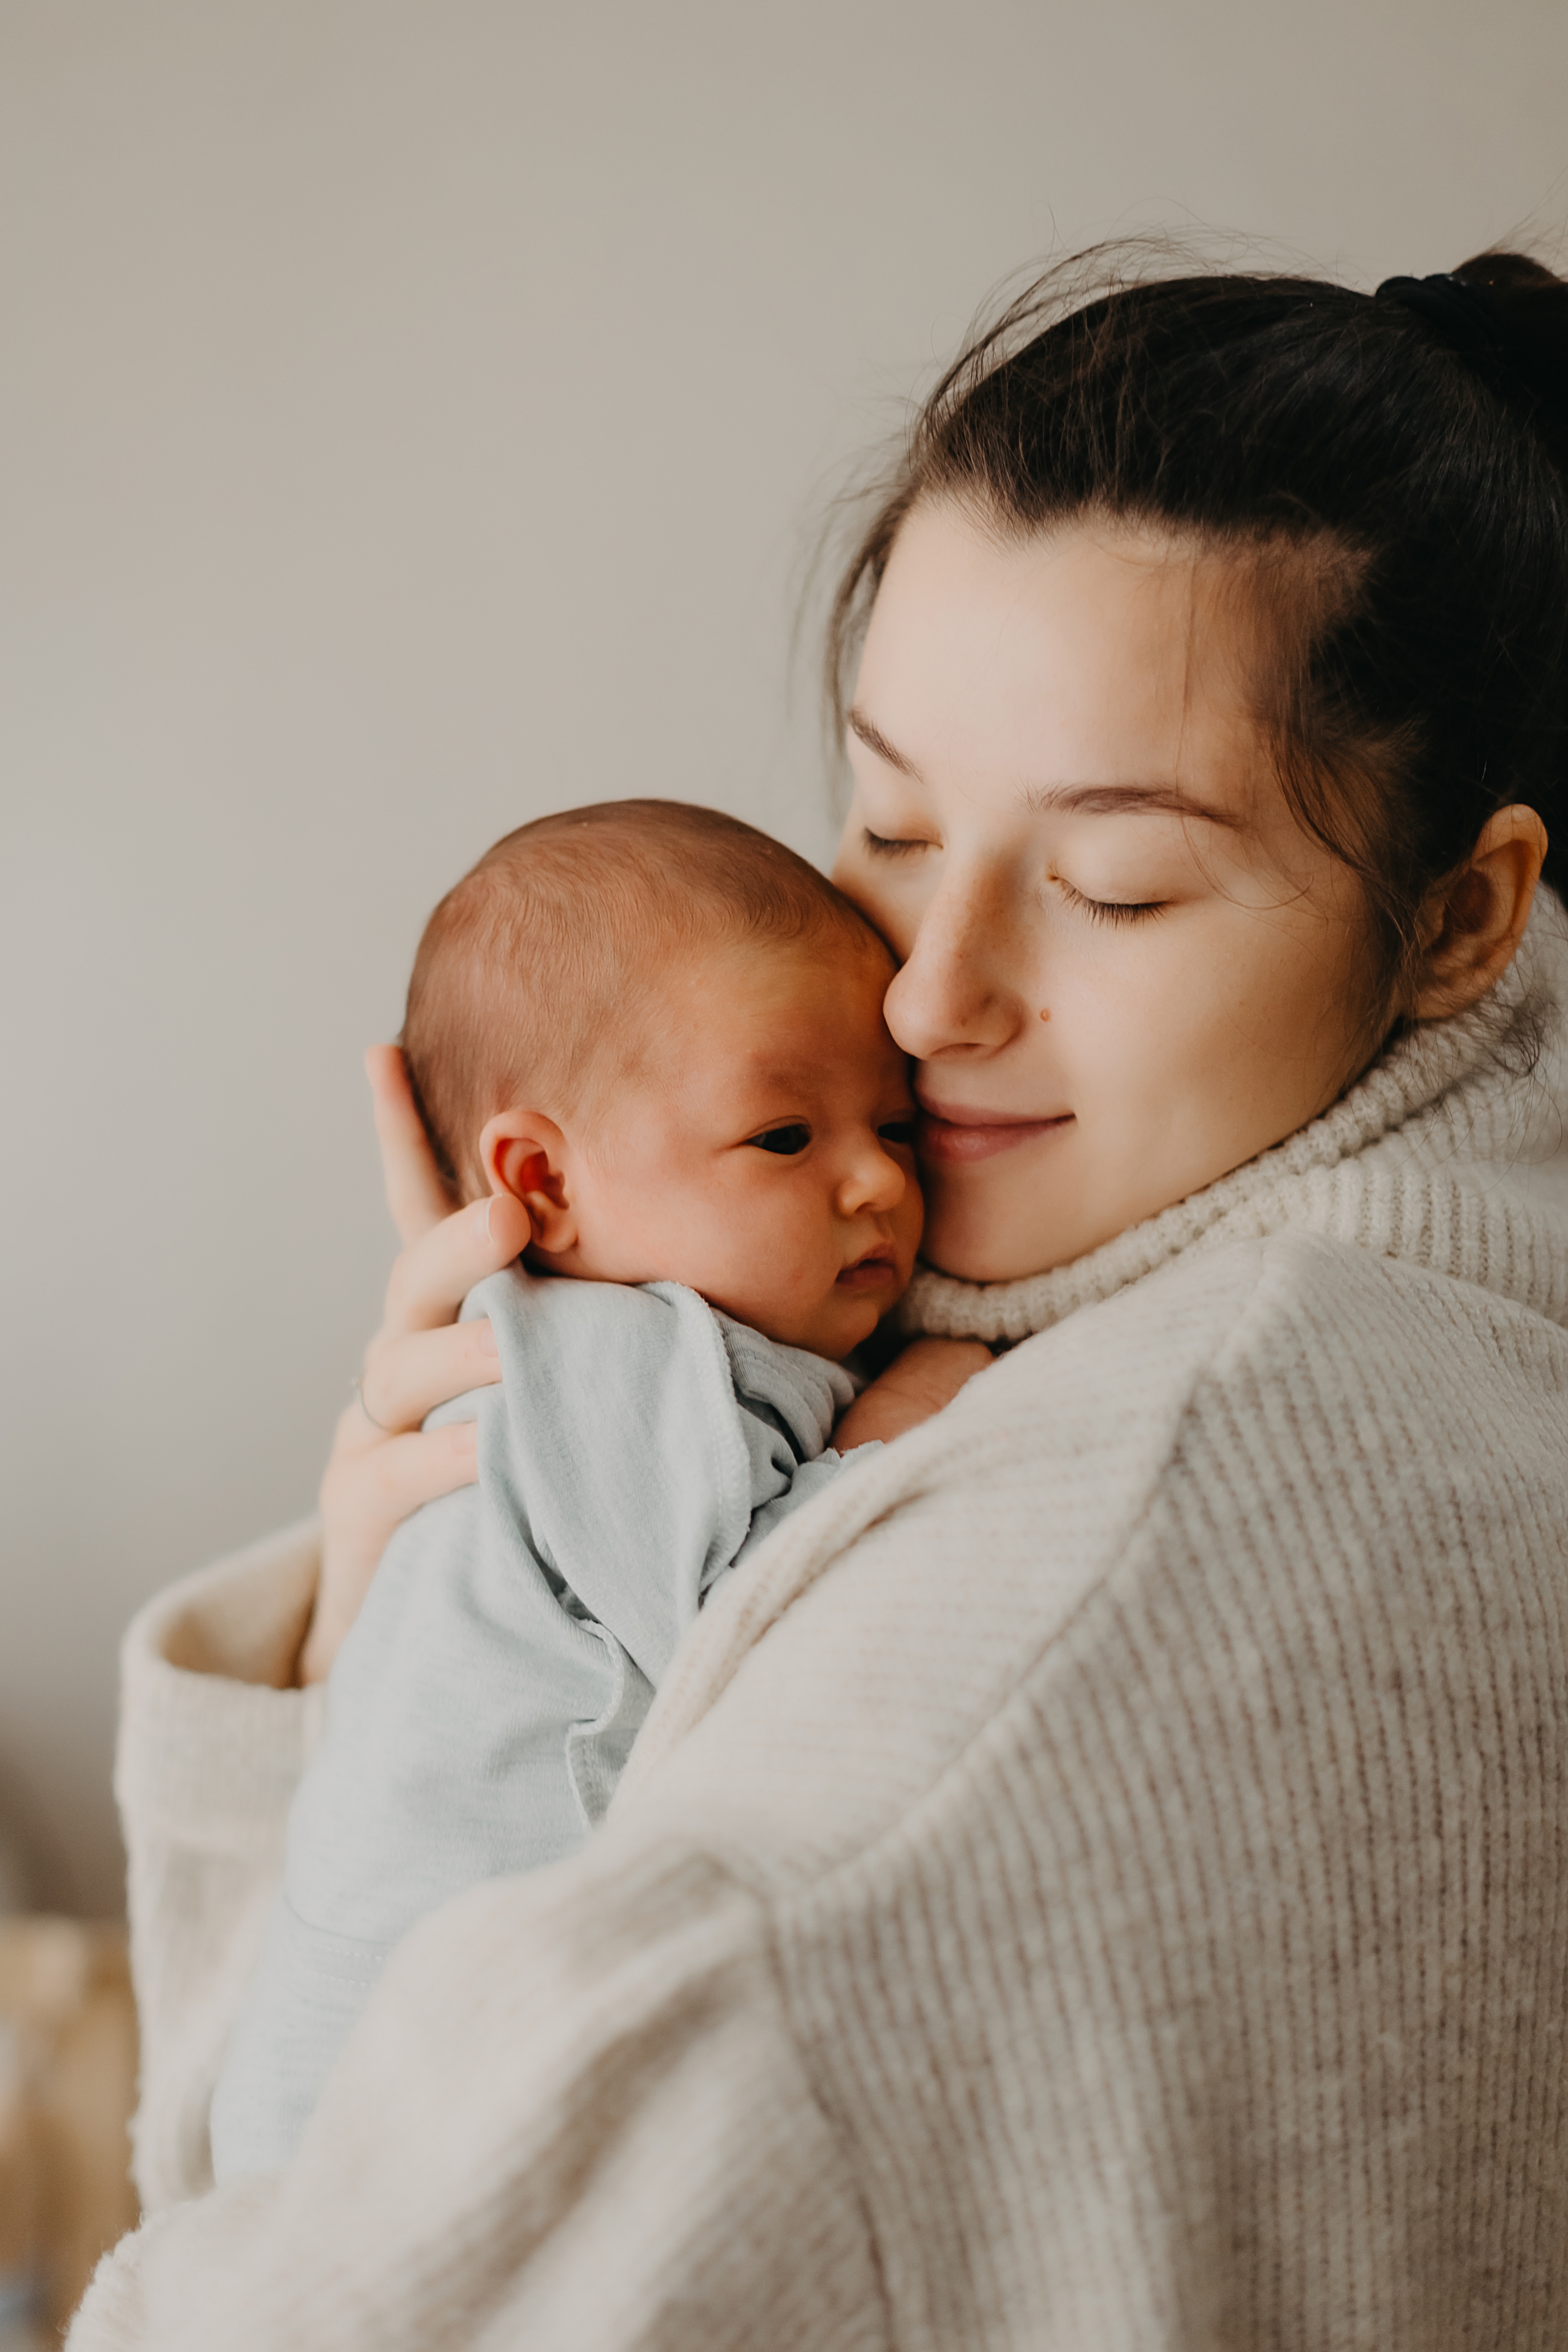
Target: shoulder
(646,1351)
(1286,1426)
(1294,1390)
(532,1305)
(598,1350)
(1295,1308)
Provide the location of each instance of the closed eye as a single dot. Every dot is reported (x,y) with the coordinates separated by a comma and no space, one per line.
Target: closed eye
(878,845)
(785,1140)
(898,1130)
(1110,910)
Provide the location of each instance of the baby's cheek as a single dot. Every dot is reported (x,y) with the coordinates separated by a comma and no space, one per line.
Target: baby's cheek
(912,1215)
(780,1265)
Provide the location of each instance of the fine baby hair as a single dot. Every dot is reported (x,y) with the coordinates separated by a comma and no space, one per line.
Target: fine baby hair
(1390,473)
(537,974)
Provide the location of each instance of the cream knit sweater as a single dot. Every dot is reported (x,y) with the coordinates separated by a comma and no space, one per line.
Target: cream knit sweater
(1123,1902)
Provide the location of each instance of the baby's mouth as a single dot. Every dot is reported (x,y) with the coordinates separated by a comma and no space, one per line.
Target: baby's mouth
(872,1269)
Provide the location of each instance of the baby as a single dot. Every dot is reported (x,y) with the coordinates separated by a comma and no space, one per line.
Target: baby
(663,1033)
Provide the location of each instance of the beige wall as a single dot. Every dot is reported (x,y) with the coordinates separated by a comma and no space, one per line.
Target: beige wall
(410,418)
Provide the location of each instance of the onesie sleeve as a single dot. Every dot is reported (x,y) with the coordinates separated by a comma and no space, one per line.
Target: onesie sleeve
(810,1479)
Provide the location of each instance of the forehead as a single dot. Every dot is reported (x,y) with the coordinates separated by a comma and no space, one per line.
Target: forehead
(1093,653)
(762,1009)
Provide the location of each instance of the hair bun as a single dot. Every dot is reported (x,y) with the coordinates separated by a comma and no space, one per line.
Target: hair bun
(1505,316)
(1529,364)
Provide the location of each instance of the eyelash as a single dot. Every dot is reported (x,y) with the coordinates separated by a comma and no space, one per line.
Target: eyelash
(765,1142)
(1110,910)
(1098,911)
(892,1130)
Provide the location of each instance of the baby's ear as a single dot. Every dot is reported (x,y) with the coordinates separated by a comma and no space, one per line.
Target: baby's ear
(523,1153)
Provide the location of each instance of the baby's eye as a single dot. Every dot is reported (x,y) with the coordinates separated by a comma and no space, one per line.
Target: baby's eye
(786,1140)
(898,1130)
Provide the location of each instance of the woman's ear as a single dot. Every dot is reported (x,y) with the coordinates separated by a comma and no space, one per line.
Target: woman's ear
(524,1154)
(1473,923)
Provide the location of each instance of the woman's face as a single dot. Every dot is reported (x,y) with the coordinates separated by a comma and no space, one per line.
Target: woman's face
(1125,969)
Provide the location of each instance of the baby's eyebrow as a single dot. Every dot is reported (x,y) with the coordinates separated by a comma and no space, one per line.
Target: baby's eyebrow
(767,1084)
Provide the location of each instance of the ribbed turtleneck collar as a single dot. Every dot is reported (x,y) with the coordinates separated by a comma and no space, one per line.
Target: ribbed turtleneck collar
(1414,1161)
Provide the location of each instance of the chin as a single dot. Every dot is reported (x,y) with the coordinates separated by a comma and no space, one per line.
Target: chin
(973,1247)
(836,1337)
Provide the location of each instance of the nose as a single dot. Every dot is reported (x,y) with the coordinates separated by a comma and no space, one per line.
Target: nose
(955,996)
(873,1181)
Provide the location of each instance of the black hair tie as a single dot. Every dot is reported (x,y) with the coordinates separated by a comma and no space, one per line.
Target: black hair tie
(1466,318)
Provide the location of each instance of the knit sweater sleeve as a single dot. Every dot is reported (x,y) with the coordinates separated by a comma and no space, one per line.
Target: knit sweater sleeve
(212,1743)
(573,2113)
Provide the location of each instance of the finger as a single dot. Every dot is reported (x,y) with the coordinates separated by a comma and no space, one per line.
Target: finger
(378,1491)
(407,1376)
(363,1500)
(417,1194)
(433,1277)
(942,1356)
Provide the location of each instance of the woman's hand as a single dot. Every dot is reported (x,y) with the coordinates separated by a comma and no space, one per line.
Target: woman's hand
(382,1468)
(917,1383)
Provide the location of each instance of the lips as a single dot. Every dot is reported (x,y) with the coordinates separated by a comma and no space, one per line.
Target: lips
(873,1267)
(956,1133)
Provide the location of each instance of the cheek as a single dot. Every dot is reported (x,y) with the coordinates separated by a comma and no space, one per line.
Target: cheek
(1289,995)
(1257,1020)
(889,896)
(774,1229)
(909,1216)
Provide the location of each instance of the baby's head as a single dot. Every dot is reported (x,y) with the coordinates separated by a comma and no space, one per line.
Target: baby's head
(663,1033)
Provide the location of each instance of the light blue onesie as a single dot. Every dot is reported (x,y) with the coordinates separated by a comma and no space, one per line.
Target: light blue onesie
(481,1710)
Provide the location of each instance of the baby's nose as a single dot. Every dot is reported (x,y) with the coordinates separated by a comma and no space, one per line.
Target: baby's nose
(876,1181)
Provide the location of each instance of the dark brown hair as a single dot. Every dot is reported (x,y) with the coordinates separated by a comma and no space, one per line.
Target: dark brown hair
(538,976)
(1425,683)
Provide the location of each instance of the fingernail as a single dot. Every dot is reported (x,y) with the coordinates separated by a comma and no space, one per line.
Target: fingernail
(479,1223)
(487,1338)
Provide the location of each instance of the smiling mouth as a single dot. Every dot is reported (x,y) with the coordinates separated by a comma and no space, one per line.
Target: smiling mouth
(877,1266)
(957,1135)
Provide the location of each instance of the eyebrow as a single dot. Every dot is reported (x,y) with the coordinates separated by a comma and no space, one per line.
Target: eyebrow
(875,740)
(1125,799)
(1077,800)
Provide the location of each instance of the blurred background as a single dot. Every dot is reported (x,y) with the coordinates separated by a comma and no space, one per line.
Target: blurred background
(414,418)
